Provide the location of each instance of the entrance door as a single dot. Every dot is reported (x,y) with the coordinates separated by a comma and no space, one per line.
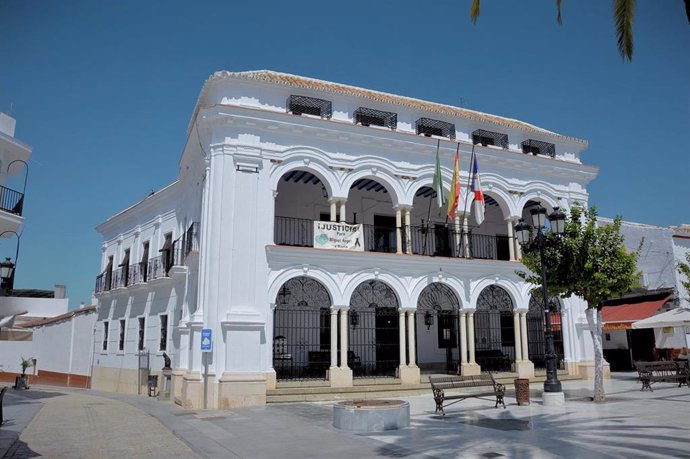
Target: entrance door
(387,339)
(384,234)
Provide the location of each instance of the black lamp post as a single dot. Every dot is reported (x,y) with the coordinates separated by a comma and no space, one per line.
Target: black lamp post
(523,233)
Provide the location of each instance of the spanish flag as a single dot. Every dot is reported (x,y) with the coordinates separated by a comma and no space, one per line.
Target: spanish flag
(454,197)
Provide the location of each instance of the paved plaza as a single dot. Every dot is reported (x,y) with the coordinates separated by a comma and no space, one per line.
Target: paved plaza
(68,423)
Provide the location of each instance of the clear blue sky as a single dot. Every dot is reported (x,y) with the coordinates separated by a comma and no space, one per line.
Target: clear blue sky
(103,91)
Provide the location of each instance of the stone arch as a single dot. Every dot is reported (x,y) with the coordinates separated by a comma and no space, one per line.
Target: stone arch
(301,329)
(453,283)
(499,193)
(374,329)
(546,198)
(280,278)
(494,329)
(536,323)
(300,161)
(386,178)
(391,280)
(438,328)
(510,287)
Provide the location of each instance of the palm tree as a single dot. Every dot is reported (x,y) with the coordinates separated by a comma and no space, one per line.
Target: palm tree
(623,15)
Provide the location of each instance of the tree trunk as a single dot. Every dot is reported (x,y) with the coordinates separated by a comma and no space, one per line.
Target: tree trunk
(595,331)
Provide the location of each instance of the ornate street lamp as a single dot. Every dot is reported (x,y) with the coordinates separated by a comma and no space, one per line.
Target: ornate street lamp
(428,320)
(6,274)
(523,233)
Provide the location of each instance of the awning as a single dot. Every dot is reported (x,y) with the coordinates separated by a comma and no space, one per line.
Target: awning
(674,318)
(622,316)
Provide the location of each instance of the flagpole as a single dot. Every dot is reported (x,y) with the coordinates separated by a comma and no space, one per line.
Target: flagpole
(470,171)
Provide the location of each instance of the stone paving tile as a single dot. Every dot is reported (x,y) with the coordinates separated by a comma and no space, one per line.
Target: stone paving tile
(631,424)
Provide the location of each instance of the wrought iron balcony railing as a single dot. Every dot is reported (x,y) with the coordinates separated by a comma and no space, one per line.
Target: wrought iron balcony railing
(435,239)
(11,201)
(154,268)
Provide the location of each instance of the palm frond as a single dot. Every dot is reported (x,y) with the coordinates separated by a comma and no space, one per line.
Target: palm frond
(558,7)
(474,11)
(623,14)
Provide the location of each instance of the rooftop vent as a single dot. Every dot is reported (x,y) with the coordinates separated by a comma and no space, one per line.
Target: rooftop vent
(298,105)
(490,138)
(370,117)
(429,127)
(537,147)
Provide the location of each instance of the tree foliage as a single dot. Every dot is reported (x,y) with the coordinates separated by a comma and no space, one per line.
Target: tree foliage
(589,261)
(623,15)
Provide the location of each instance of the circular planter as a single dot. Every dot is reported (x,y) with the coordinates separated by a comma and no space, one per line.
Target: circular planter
(371,415)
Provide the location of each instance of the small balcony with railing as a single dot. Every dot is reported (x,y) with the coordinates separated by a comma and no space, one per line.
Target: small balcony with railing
(162,267)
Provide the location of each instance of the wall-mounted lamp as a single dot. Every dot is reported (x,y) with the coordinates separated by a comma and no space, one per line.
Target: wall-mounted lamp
(428,319)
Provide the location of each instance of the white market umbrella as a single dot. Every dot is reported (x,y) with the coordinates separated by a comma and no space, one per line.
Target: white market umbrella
(674,318)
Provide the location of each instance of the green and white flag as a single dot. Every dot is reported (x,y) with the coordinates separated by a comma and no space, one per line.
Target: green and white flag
(438,180)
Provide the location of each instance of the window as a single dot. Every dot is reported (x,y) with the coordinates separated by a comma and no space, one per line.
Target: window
(125,268)
(142,328)
(309,106)
(481,136)
(163,346)
(537,147)
(145,262)
(429,127)
(109,273)
(121,342)
(105,335)
(167,253)
(370,117)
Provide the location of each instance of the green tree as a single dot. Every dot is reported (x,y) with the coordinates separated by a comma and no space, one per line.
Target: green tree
(588,261)
(623,15)
(684,269)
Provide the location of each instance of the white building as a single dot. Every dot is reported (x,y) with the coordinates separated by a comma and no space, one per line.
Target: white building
(229,245)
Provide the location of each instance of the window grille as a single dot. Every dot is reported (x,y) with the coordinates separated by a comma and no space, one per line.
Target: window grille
(490,138)
(309,106)
(537,147)
(429,127)
(370,117)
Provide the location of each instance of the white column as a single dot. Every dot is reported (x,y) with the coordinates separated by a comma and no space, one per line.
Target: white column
(408,232)
(466,237)
(463,337)
(518,250)
(518,334)
(410,338)
(398,233)
(470,329)
(401,326)
(458,237)
(523,332)
(511,239)
(343,338)
(343,213)
(334,338)
(334,210)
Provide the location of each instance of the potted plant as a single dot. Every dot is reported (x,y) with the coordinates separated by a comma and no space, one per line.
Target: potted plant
(22,381)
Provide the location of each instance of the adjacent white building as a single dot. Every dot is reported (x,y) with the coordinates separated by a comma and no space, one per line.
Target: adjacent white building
(275,164)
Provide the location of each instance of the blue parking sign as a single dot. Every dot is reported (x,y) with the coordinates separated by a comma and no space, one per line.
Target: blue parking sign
(206,340)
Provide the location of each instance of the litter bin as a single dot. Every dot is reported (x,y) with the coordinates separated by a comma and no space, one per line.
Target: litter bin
(152,385)
(522,391)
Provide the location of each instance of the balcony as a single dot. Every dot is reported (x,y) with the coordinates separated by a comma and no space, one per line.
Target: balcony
(435,239)
(11,201)
(142,272)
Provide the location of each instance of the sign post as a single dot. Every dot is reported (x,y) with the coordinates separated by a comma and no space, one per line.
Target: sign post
(206,348)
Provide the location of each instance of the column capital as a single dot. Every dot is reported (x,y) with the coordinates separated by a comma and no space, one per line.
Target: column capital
(340,307)
(408,310)
(402,207)
(468,310)
(512,219)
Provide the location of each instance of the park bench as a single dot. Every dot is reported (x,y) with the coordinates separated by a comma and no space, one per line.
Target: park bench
(662,371)
(478,386)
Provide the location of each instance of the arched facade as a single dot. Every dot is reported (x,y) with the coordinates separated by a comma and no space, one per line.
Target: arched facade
(494,329)
(438,329)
